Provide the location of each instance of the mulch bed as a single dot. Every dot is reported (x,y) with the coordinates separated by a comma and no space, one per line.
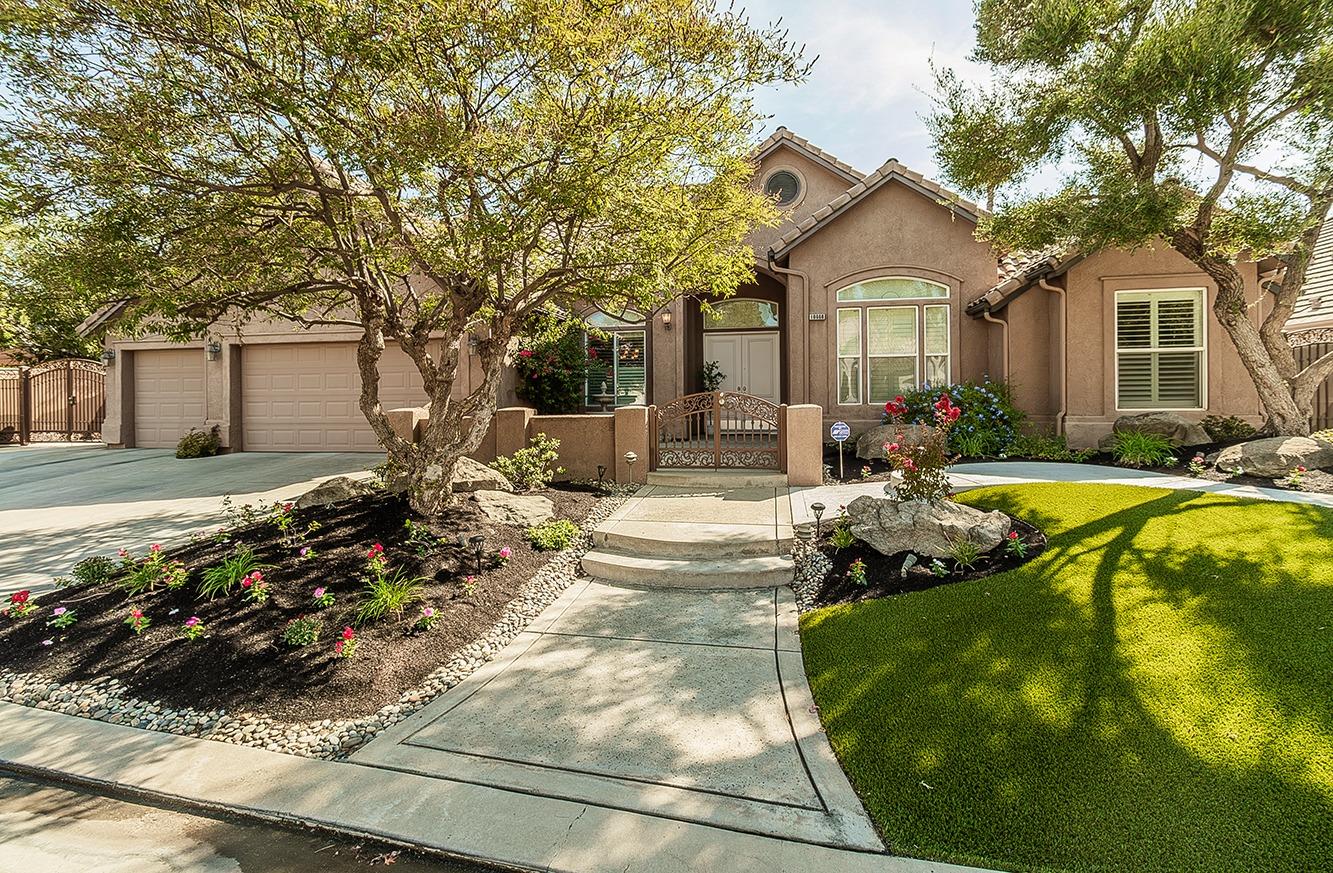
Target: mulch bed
(884,574)
(241,664)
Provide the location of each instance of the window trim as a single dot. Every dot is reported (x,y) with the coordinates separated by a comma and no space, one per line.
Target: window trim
(1201,350)
(801,186)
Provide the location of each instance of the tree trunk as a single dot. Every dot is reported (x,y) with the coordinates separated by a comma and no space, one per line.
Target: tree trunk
(1284,415)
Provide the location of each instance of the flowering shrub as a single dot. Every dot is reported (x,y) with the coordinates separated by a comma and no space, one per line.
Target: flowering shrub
(280,516)
(1197,466)
(322,598)
(193,629)
(152,571)
(937,568)
(20,604)
(469,585)
(386,592)
(1296,475)
(550,372)
(1014,545)
(923,466)
(505,554)
(856,573)
(346,645)
(137,621)
(866,472)
(301,631)
(255,588)
(426,618)
(529,469)
(62,617)
(234,569)
(988,421)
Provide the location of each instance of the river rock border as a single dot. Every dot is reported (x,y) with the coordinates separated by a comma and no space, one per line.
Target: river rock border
(811,568)
(106,699)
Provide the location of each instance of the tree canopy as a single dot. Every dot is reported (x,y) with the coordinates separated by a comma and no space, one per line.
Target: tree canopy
(1204,123)
(422,169)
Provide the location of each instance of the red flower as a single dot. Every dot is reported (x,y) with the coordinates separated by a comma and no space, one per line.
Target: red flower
(375,551)
(525,353)
(1013,534)
(349,634)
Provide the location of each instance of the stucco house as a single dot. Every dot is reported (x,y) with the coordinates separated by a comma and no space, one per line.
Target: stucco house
(872,284)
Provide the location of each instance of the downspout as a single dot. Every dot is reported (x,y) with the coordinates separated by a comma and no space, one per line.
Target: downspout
(1064,352)
(805,325)
(1004,342)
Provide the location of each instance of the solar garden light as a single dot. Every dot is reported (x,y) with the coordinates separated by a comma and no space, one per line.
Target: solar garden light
(477,541)
(818,510)
(630,458)
(601,473)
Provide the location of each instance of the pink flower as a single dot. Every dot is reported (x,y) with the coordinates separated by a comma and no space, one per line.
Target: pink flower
(319,592)
(891,447)
(506,553)
(59,610)
(48,642)
(1013,534)
(155,548)
(136,613)
(193,620)
(428,611)
(124,553)
(305,550)
(375,551)
(349,634)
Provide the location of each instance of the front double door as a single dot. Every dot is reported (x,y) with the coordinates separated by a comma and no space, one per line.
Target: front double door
(750,361)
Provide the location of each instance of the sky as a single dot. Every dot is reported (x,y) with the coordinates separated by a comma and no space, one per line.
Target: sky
(869,90)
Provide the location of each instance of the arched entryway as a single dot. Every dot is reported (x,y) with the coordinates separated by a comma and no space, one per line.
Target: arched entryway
(744,337)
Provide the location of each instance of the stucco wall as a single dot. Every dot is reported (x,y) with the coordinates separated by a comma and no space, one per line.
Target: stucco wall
(819,185)
(1092,286)
(894,231)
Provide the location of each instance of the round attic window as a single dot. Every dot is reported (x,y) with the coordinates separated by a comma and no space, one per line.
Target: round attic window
(784,187)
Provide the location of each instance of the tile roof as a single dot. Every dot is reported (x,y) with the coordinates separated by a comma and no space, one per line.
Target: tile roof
(103,317)
(890,171)
(783,136)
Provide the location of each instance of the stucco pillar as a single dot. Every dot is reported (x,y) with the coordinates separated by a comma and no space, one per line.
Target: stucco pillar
(118,428)
(231,423)
(631,436)
(511,429)
(805,445)
(407,420)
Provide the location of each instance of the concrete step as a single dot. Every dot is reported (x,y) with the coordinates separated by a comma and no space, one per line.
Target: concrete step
(679,539)
(722,479)
(756,571)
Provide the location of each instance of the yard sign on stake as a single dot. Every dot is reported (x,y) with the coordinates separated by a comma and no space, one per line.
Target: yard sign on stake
(840,431)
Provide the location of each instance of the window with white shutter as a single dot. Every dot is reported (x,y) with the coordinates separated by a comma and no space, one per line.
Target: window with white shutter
(1159,339)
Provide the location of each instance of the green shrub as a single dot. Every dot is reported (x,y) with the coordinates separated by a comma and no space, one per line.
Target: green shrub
(988,421)
(152,571)
(1047,447)
(94,570)
(842,537)
(222,578)
(301,631)
(1134,449)
(388,594)
(964,553)
(550,371)
(200,443)
(1227,428)
(558,533)
(530,468)
(1325,435)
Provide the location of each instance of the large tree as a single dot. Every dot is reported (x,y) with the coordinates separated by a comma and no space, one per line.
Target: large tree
(1205,123)
(423,170)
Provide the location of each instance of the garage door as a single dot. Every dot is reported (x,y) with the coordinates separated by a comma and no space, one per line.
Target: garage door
(168,395)
(302,397)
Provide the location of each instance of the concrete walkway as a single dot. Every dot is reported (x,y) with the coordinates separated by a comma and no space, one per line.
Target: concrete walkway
(60,503)
(967,476)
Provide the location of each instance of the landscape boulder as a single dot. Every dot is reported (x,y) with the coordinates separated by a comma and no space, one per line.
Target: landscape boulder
(1181,431)
(335,490)
(1275,457)
(926,527)
(870,445)
(518,510)
(472,475)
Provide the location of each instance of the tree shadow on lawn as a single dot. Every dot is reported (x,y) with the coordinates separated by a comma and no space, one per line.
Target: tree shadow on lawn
(1139,697)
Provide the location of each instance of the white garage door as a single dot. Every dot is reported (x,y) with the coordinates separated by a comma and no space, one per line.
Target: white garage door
(168,395)
(303,397)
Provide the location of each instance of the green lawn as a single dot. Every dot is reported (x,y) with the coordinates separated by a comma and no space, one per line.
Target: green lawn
(1155,692)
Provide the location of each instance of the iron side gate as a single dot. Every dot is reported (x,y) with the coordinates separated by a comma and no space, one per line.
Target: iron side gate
(54,400)
(717,429)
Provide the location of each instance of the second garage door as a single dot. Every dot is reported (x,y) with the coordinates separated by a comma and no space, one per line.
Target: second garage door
(168,395)
(303,397)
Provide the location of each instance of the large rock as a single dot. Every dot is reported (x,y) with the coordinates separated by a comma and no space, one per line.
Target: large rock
(1181,431)
(926,527)
(472,475)
(870,445)
(1274,457)
(335,490)
(518,510)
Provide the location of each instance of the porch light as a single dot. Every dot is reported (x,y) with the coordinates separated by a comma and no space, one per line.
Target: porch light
(214,350)
(666,320)
(477,541)
(818,510)
(108,356)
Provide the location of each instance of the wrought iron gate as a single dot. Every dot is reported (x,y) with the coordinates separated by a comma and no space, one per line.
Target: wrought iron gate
(716,429)
(55,400)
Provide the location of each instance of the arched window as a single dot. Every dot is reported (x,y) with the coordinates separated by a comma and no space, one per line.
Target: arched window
(617,370)
(741,314)
(891,288)
(888,344)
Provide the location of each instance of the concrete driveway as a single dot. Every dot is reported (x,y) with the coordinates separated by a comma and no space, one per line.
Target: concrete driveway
(61,503)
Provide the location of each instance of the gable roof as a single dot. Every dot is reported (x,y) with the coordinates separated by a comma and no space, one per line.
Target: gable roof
(892,171)
(799,144)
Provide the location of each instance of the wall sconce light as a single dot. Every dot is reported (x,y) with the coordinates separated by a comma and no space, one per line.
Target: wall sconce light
(108,356)
(666,320)
(214,350)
